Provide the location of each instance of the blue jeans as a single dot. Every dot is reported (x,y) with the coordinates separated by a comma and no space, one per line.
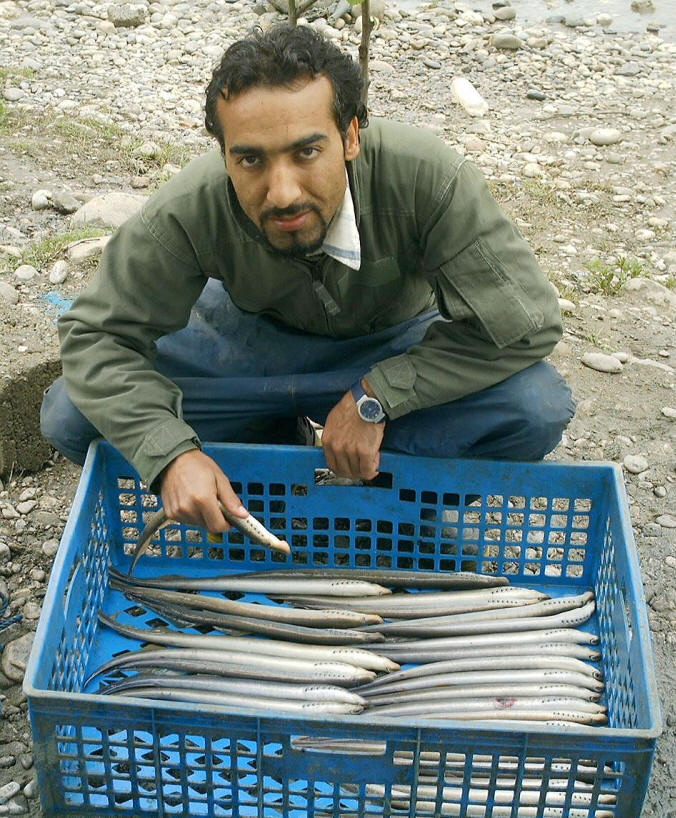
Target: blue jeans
(247,378)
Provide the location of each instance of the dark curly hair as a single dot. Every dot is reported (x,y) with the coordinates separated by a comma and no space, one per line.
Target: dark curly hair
(278,57)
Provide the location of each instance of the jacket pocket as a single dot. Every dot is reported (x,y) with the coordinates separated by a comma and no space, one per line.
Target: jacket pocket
(475,283)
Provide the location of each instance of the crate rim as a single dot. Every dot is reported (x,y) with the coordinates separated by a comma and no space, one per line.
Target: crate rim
(97,451)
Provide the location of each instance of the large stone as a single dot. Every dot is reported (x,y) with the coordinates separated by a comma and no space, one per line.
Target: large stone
(605,136)
(601,362)
(86,248)
(127,15)
(650,291)
(8,294)
(111,209)
(15,657)
(507,41)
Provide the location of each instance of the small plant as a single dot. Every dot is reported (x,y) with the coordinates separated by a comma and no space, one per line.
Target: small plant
(609,279)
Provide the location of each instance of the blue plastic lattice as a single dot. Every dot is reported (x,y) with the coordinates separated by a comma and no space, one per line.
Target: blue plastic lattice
(559,528)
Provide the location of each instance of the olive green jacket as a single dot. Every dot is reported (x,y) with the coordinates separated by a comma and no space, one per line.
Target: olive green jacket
(430,233)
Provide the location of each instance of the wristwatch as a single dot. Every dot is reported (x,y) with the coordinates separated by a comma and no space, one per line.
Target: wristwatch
(370,409)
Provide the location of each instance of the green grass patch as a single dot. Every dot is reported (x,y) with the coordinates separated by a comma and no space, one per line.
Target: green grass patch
(8,71)
(47,250)
(609,278)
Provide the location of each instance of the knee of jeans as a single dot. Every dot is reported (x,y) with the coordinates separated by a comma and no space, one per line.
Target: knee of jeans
(544,414)
(61,423)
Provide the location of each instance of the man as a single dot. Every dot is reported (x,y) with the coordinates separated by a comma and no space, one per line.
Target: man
(372,282)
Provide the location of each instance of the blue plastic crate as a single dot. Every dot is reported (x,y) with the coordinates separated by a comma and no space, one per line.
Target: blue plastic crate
(561,528)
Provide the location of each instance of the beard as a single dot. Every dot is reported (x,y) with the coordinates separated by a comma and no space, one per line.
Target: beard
(298,245)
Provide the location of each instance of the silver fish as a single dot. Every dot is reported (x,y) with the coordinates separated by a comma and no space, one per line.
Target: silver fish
(264,647)
(250,526)
(234,663)
(525,662)
(507,689)
(242,701)
(398,578)
(332,618)
(250,687)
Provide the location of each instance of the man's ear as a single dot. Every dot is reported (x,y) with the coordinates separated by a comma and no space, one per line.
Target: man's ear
(351,140)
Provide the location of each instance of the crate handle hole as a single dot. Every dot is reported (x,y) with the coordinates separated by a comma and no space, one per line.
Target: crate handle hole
(325,477)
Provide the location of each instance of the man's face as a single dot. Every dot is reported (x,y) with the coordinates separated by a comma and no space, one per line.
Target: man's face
(286,160)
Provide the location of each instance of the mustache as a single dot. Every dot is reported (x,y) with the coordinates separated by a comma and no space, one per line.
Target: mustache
(291,210)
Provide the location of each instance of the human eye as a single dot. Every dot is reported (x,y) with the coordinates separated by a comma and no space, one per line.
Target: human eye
(309,152)
(249,161)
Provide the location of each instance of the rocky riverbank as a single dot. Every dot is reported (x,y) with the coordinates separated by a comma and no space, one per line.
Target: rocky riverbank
(576,137)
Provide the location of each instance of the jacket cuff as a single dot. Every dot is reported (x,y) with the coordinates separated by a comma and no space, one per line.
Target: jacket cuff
(162,445)
(393,382)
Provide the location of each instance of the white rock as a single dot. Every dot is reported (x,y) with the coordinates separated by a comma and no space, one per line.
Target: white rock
(635,463)
(605,136)
(622,356)
(531,170)
(110,209)
(40,199)
(8,294)
(31,610)
(13,94)
(566,306)
(59,272)
(601,362)
(667,520)
(25,272)
(50,547)
(651,291)
(26,507)
(86,248)
(604,20)
(37,575)
(14,658)
(149,149)
(466,95)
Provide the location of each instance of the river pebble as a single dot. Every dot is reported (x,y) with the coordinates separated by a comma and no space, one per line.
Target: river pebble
(667,520)
(669,412)
(59,272)
(25,272)
(635,463)
(8,791)
(605,136)
(15,657)
(601,362)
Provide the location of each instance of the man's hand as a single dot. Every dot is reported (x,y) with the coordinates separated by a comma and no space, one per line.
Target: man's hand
(352,445)
(192,485)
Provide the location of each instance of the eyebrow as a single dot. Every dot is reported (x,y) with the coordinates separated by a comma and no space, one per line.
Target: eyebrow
(253,150)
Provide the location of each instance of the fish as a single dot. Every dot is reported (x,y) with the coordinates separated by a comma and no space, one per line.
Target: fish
(567,619)
(234,663)
(272,587)
(268,647)
(476,663)
(250,526)
(242,701)
(459,580)
(402,606)
(250,687)
(504,690)
(192,617)
(534,609)
(333,618)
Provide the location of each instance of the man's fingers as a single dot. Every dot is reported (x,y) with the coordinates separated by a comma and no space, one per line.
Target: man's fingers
(228,497)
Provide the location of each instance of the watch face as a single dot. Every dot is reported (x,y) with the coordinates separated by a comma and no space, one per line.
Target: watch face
(370,409)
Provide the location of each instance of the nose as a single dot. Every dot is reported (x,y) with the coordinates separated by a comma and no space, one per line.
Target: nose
(283,186)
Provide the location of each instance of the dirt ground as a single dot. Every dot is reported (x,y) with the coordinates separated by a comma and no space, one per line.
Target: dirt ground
(618,415)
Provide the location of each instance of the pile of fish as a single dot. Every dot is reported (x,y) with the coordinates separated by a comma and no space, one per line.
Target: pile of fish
(480,649)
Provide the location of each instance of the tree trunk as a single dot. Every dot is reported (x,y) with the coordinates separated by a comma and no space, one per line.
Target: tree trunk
(293,14)
(366,27)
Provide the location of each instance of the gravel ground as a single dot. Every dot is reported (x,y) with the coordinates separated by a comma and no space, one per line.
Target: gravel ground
(577,140)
